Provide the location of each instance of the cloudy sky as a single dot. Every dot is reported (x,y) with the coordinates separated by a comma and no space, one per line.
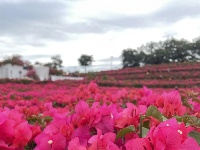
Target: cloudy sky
(38,29)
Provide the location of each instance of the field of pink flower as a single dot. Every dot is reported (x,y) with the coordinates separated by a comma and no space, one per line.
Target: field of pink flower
(62,116)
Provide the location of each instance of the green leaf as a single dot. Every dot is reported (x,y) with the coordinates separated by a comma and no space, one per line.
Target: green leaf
(154,112)
(48,118)
(184,119)
(194,121)
(144,131)
(125,131)
(164,118)
(195,135)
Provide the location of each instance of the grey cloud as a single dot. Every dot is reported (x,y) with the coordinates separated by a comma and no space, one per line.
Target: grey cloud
(38,19)
(170,13)
(8,51)
(177,10)
(32,22)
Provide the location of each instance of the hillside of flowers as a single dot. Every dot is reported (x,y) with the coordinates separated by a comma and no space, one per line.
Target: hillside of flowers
(169,75)
(62,116)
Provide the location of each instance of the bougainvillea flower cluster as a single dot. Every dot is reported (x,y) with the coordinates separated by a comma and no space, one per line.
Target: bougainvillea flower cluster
(56,116)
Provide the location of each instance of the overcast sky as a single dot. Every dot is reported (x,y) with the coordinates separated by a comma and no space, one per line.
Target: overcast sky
(38,29)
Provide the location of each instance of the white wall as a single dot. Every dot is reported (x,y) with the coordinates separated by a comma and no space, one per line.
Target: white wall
(12,71)
(42,72)
(54,78)
(17,72)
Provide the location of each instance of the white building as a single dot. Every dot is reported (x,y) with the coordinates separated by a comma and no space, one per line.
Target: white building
(12,71)
(18,72)
(42,72)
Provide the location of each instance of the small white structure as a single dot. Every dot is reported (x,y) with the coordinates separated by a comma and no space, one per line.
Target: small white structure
(10,71)
(54,78)
(42,72)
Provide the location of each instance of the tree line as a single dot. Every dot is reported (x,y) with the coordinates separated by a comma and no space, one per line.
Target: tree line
(170,50)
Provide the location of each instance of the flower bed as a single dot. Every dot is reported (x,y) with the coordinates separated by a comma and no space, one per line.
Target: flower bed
(58,116)
(164,75)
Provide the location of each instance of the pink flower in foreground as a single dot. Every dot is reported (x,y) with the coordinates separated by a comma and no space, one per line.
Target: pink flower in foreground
(75,145)
(170,135)
(170,104)
(6,129)
(103,142)
(50,142)
(129,116)
(138,144)
(83,134)
(23,134)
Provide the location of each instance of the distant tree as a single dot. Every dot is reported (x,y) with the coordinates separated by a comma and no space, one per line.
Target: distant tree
(55,65)
(85,60)
(14,60)
(159,56)
(56,62)
(57,72)
(177,50)
(195,50)
(131,58)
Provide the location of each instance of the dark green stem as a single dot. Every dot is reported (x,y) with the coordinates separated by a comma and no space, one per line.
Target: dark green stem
(141,118)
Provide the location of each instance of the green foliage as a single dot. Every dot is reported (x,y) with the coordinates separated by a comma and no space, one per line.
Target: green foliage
(138,85)
(38,119)
(154,112)
(85,60)
(170,50)
(125,131)
(91,75)
(105,77)
(56,62)
(31,145)
(14,60)
(131,58)
(57,72)
(195,135)
(144,131)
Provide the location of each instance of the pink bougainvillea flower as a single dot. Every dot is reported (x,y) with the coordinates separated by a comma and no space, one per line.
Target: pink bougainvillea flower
(7,129)
(74,144)
(129,116)
(58,121)
(23,135)
(4,146)
(46,141)
(102,142)
(189,144)
(170,135)
(36,129)
(138,144)
(106,124)
(142,109)
(92,87)
(83,133)
(67,131)
(105,120)
(14,115)
(82,107)
(82,114)
(170,104)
